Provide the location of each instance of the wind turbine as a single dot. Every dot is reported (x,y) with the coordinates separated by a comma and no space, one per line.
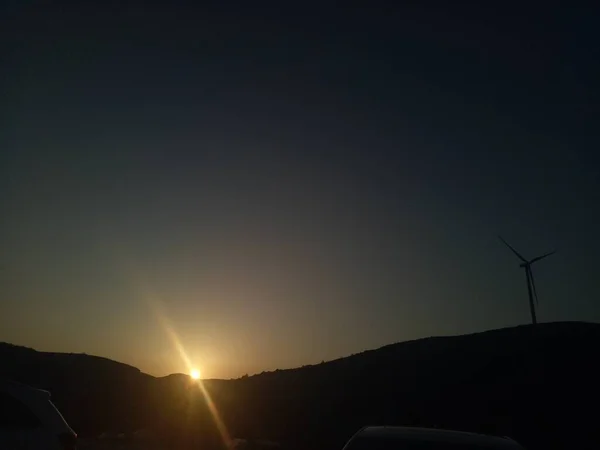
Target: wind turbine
(529,274)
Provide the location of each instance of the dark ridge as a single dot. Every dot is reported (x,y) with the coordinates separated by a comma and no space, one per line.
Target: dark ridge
(538,385)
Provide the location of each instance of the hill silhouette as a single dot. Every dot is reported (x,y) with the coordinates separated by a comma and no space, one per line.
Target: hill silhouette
(539,385)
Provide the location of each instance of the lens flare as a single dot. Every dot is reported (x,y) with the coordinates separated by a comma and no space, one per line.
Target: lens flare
(154,303)
(194,373)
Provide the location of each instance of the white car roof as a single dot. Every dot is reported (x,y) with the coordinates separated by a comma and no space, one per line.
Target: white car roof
(437,435)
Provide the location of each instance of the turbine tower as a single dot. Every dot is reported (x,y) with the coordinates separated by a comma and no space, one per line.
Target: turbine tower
(529,275)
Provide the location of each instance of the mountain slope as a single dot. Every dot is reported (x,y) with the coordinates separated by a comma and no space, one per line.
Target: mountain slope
(531,383)
(537,384)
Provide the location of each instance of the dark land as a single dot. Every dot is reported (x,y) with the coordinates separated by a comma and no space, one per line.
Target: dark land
(539,385)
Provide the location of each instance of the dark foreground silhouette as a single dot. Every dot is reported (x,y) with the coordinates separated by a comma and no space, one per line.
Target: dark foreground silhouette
(538,384)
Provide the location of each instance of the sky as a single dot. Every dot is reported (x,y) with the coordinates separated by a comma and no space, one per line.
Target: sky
(241,189)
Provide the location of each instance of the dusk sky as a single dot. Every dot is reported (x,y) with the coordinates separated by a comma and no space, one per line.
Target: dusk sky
(277,187)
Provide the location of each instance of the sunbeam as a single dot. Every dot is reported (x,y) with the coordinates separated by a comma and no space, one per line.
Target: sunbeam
(155,305)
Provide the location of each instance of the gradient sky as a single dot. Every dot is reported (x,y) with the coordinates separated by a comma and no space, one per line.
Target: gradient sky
(279,187)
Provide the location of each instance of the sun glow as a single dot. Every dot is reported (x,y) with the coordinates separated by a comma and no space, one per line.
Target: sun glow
(155,305)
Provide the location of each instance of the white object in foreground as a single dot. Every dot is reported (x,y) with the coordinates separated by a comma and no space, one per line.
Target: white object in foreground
(406,438)
(29,420)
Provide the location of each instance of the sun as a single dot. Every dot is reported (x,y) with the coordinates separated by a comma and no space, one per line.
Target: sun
(195,374)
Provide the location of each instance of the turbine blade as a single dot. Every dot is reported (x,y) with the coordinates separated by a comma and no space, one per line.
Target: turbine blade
(514,251)
(532,280)
(542,257)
